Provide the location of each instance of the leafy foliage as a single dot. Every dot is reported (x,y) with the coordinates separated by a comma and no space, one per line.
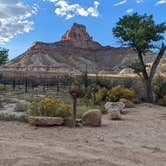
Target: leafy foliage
(49,106)
(100,95)
(136,66)
(3,55)
(142,34)
(159,88)
(139,31)
(119,92)
(162,101)
(21,107)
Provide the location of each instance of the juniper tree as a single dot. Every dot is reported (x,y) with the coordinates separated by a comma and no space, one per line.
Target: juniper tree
(3,55)
(142,34)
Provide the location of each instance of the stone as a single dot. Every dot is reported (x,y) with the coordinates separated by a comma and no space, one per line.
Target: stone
(78,122)
(114,105)
(46,121)
(128,103)
(108,105)
(92,117)
(114,114)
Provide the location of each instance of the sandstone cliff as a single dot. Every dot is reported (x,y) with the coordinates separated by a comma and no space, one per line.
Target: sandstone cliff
(75,52)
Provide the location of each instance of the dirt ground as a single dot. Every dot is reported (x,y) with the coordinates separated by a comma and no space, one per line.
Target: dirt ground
(138,140)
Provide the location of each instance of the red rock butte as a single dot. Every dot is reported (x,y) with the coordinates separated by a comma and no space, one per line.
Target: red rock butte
(75,52)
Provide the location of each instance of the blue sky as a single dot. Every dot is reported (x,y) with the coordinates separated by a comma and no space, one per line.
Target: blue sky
(25,21)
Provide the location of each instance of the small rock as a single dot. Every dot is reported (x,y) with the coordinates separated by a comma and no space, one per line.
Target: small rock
(101,139)
(78,120)
(108,105)
(124,112)
(86,141)
(128,103)
(114,105)
(114,114)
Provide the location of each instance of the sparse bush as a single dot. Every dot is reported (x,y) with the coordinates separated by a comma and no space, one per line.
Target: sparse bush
(118,92)
(68,121)
(49,106)
(140,90)
(21,107)
(1,104)
(159,88)
(2,87)
(162,101)
(8,117)
(100,95)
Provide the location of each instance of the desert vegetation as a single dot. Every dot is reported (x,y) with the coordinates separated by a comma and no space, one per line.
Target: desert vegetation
(122,107)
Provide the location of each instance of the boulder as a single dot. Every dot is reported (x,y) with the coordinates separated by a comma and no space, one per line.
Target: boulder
(114,114)
(46,121)
(114,105)
(128,103)
(92,117)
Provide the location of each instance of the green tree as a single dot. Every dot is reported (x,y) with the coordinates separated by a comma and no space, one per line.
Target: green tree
(140,33)
(3,55)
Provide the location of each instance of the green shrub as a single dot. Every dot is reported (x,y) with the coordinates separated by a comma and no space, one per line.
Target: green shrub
(49,106)
(8,117)
(2,87)
(1,104)
(118,92)
(21,107)
(159,88)
(68,121)
(162,101)
(101,95)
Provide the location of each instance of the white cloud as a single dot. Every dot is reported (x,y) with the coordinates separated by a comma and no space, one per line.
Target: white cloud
(160,2)
(140,1)
(129,10)
(120,3)
(63,8)
(14,18)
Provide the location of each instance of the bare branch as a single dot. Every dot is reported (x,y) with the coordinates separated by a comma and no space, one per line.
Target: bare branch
(157,61)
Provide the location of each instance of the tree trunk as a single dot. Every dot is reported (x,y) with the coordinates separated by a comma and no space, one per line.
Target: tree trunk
(157,61)
(148,78)
(149,92)
(74,111)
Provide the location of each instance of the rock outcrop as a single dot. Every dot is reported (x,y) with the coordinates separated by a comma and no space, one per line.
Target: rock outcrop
(79,37)
(73,54)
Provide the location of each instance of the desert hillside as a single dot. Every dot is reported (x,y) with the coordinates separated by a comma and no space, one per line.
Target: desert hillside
(74,53)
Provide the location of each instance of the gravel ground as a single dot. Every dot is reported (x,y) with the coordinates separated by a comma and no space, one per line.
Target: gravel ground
(138,140)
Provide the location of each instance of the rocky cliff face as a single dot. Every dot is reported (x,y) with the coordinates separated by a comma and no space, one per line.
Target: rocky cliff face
(75,52)
(76,33)
(78,36)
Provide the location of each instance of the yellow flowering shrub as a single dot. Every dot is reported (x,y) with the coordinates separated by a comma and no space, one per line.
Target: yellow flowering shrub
(49,106)
(100,95)
(119,92)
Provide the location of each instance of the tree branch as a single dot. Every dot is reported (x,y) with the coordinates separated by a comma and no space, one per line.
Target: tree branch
(144,72)
(157,61)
